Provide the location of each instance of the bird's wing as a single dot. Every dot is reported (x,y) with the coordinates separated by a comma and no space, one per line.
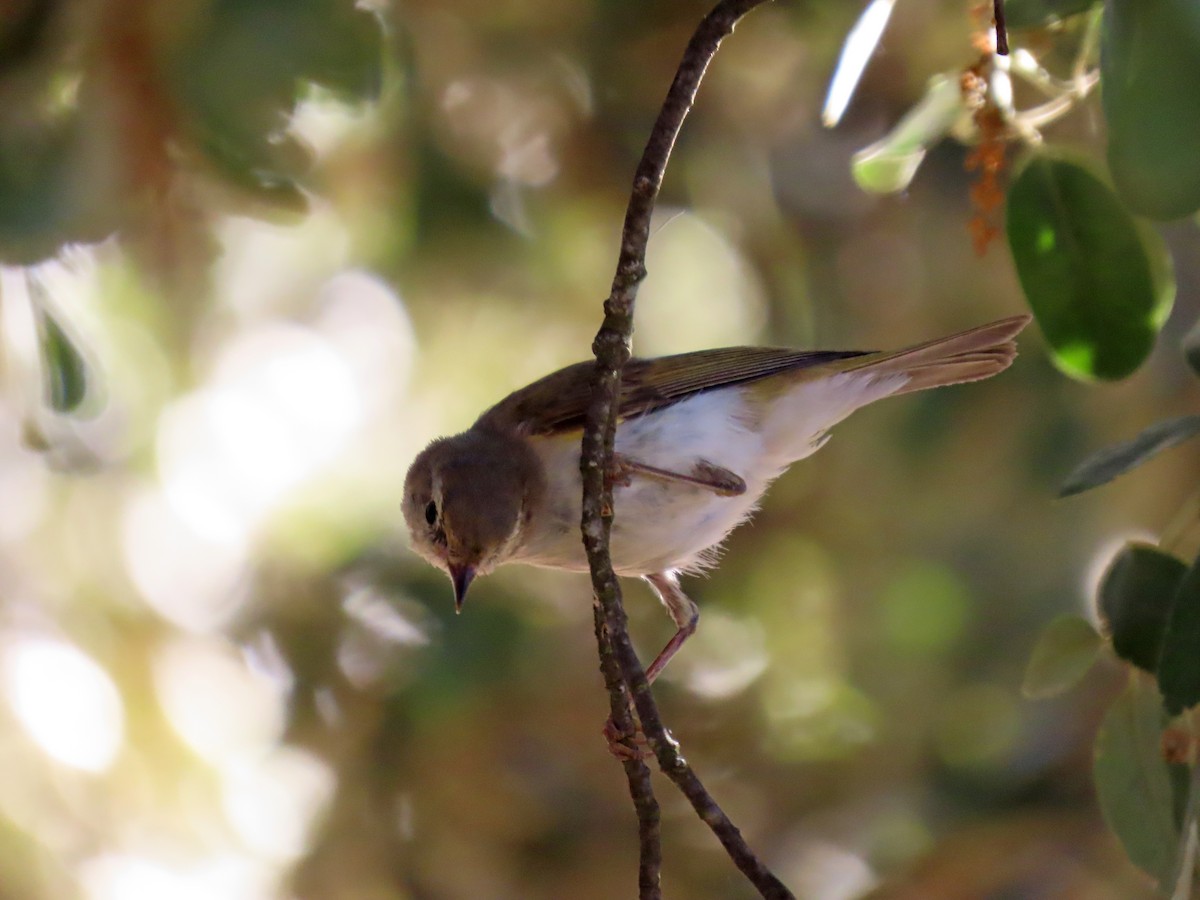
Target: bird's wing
(556,403)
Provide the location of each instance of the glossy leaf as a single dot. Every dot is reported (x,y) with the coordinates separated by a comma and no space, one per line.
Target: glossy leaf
(1150,66)
(1099,285)
(1135,598)
(1105,465)
(1179,665)
(1063,654)
(1133,783)
(1037,13)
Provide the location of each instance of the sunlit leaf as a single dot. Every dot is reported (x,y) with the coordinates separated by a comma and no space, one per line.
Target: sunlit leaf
(889,164)
(1036,13)
(1134,784)
(1063,654)
(1150,66)
(1105,465)
(1135,598)
(1179,666)
(1098,284)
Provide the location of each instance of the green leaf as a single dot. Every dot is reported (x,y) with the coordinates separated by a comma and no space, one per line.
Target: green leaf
(1179,666)
(1191,347)
(1105,465)
(1064,653)
(349,58)
(64,368)
(890,164)
(1099,285)
(1134,784)
(1037,13)
(240,72)
(1150,67)
(1136,593)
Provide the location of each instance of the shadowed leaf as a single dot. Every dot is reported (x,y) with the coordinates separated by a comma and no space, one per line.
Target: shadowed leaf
(1179,666)
(1191,347)
(1134,784)
(1150,65)
(1036,13)
(1064,653)
(1135,598)
(1105,465)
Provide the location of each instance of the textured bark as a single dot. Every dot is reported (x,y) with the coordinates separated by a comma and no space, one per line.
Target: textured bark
(623,672)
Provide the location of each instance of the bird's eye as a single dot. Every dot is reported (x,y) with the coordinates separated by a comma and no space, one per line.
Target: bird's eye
(431,513)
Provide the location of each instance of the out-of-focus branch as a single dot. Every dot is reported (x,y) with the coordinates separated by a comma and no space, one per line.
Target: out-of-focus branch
(612,350)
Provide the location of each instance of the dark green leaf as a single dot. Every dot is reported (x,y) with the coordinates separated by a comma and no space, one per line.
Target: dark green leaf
(64,369)
(1191,347)
(349,60)
(1150,66)
(1179,666)
(258,174)
(1036,13)
(1105,465)
(1135,598)
(1064,653)
(47,197)
(1098,284)
(1134,784)
(239,76)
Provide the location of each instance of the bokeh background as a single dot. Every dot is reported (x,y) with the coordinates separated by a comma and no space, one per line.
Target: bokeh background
(290,243)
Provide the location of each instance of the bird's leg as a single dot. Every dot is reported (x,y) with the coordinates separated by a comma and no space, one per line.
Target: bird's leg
(685,614)
(717,479)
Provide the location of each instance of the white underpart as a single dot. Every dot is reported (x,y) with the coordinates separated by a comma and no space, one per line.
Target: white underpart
(661,525)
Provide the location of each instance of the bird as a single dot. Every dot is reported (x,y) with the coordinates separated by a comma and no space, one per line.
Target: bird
(700,436)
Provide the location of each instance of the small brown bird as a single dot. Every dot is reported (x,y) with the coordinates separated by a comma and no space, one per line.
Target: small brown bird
(699,438)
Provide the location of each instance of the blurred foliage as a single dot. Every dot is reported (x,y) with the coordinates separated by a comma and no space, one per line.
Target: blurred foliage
(257,253)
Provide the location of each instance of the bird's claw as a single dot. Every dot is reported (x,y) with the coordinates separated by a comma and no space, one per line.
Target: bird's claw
(626,745)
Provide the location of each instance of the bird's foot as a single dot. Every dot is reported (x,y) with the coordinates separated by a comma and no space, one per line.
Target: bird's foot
(626,745)
(631,745)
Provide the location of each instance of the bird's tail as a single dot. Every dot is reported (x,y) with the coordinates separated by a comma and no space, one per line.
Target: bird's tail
(971,355)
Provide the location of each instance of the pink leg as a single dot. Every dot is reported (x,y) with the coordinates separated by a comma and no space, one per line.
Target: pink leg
(683,613)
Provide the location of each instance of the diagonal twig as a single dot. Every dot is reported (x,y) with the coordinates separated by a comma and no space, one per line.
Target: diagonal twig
(612,350)
(636,771)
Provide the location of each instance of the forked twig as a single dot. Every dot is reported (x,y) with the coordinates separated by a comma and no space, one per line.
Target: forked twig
(612,350)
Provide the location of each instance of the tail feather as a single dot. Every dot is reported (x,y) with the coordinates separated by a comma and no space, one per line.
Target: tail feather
(971,355)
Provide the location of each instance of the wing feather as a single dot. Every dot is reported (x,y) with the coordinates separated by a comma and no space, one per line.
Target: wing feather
(557,402)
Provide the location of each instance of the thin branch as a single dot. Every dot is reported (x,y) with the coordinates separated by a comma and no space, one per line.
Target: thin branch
(612,350)
(636,772)
(1001,27)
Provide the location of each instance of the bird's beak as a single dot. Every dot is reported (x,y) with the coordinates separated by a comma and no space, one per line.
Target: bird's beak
(462,576)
